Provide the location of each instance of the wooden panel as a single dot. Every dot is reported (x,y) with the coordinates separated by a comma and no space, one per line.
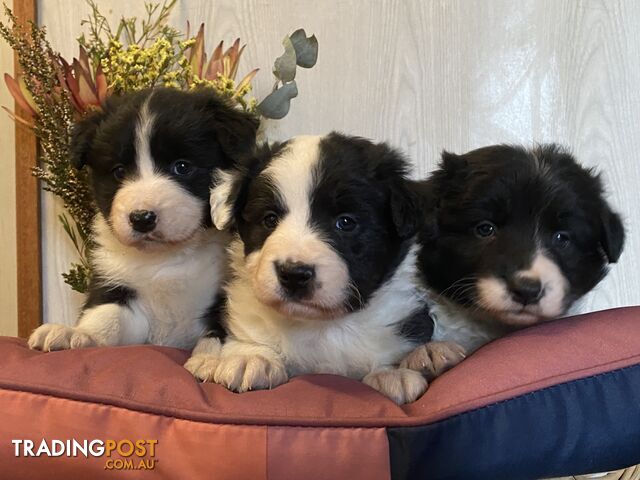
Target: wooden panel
(27,212)
(428,75)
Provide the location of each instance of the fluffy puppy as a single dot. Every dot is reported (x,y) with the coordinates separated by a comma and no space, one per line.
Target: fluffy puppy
(323,269)
(157,266)
(512,237)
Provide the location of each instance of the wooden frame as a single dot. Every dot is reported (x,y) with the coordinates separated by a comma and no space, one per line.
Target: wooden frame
(29,259)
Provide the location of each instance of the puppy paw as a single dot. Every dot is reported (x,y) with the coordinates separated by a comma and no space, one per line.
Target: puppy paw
(250,372)
(434,358)
(399,384)
(52,336)
(203,366)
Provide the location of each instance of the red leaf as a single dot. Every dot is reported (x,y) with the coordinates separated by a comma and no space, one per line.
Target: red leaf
(86,89)
(197,52)
(16,93)
(84,61)
(69,82)
(217,53)
(213,69)
(101,85)
(235,63)
(246,80)
(18,119)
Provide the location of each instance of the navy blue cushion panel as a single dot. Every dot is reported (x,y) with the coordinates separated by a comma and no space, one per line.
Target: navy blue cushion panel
(581,426)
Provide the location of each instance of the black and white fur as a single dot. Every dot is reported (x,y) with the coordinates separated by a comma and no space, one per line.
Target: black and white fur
(157,264)
(512,237)
(323,269)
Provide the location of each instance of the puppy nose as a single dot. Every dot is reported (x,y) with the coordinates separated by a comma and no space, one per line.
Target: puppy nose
(295,277)
(143,221)
(525,290)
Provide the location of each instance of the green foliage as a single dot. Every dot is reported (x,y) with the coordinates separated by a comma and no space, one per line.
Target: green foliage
(52,126)
(98,41)
(132,55)
(299,50)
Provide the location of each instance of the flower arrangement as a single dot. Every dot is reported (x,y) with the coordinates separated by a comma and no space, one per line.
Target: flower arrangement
(133,55)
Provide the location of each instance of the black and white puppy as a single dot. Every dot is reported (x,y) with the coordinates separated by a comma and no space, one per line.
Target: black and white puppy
(513,237)
(157,266)
(323,269)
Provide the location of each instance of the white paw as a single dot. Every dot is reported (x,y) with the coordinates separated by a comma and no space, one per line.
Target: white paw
(52,336)
(203,366)
(250,372)
(434,358)
(399,384)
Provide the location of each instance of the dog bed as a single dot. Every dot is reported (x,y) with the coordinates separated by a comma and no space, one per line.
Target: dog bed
(557,399)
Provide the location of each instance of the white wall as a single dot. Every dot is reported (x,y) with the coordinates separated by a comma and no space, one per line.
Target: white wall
(8,287)
(428,75)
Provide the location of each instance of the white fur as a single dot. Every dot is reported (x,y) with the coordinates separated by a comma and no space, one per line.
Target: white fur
(178,212)
(175,271)
(455,324)
(173,288)
(144,129)
(294,240)
(494,296)
(353,345)
(473,328)
(205,358)
(220,207)
(272,337)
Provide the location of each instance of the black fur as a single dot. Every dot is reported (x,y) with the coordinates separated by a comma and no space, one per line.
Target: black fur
(213,318)
(253,195)
(101,293)
(353,176)
(199,127)
(368,182)
(530,196)
(417,327)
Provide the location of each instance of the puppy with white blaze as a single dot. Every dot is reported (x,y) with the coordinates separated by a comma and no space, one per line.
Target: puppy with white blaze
(512,237)
(323,269)
(157,262)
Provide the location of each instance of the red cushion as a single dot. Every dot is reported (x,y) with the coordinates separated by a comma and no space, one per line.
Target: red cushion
(42,393)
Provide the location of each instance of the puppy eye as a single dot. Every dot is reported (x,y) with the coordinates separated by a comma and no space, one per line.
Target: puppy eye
(118,172)
(182,168)
(485,229)
(270,220)
(346,223)
(561,239)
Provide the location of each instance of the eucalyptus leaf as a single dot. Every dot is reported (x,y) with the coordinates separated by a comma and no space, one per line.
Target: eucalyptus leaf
(306,48)
(285,66)
(276,104)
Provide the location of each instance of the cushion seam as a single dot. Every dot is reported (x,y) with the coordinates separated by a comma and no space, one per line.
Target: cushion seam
(240,421)
(506,390)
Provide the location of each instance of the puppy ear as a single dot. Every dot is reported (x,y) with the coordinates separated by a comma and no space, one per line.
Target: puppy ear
(405,208)
(235,129)
(428,205)
(453,164)
(612,234)
(223,196)
(82,136)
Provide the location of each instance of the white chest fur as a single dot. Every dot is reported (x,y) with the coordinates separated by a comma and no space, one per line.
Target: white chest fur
(173,287)
(353,345)
(459,326)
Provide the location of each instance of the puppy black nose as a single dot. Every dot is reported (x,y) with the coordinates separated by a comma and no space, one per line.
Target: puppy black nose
(143,221)
(525,290)
(295,277)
